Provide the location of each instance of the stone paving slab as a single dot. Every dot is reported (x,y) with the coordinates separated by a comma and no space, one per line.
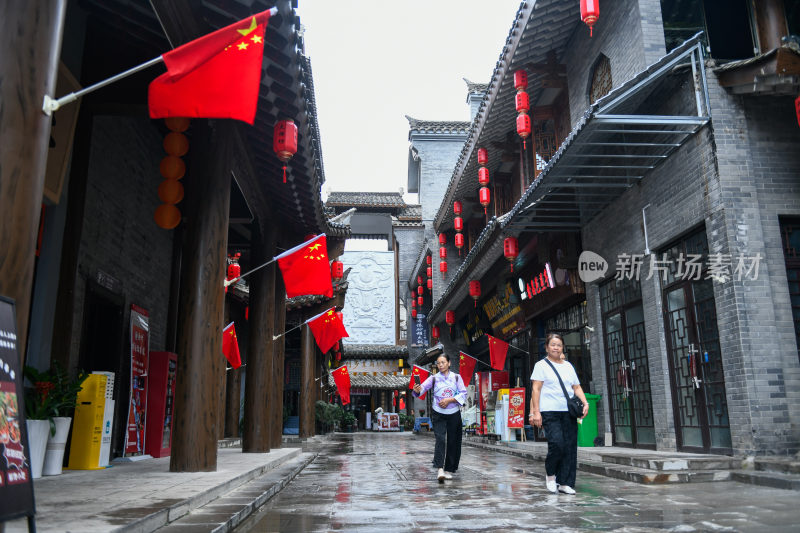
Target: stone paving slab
(141,496)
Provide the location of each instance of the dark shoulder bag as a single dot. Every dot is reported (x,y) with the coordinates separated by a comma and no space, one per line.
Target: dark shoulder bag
(574,404)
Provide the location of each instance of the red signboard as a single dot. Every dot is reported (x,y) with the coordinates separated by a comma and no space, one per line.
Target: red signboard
(140,346)
(516,408)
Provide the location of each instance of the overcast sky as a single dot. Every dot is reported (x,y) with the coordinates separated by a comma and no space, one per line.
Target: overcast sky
(376,61)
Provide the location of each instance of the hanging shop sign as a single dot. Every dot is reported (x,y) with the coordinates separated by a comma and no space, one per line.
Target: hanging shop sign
(419,330)
(474,325)
(533,286)
(137,399)
(506,318)
(16,485)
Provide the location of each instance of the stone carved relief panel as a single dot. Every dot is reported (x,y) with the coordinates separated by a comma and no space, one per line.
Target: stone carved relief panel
(369,311)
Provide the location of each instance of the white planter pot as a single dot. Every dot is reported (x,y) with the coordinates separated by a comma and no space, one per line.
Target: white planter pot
(38,431)
(54,456)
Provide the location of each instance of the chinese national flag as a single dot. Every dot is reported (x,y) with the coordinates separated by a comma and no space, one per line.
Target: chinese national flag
(230,346)
(342,379)
(423,375)
(306,270)
(466,366)
(215,76)
(497,352)
(327,329)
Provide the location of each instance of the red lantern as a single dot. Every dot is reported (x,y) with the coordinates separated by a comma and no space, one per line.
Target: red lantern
(459,241)
(457,207)
(419,280)
(442,253)
(337,347)
(485,197)
(338,356)
(511,250)
(523,125)
(442,239)
(430,284)
(450,319)
(413,302)
(284,142)
(590,11)
(521,79)
(420,301)
(483,176)
(429,271)
(443,268)
(483,156)
(458,224)
(522,102)
(337,270)
(234,271)
(428,260)
(475,290)
(435,333)
(413,313)
(420,289)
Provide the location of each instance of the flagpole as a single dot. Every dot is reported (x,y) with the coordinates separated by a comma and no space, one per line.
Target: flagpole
(49,105)
(234,280)
(276,337)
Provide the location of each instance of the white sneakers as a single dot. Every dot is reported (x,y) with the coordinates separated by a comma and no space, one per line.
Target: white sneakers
(448,475)
(551,484)
(566,489)
(442,475)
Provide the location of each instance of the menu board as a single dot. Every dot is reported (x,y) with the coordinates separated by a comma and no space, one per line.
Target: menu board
(16,485)
(137,401)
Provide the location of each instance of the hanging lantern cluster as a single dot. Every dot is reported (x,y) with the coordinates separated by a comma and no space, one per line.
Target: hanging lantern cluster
(511,250)
(435,334)
(172,168)
(484,196)
(450,319)
(475,290)
(442,254)
(523,105)
(337,270)
(284,142)
(590,12)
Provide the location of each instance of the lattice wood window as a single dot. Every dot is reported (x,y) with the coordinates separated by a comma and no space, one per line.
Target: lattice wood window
(601,79)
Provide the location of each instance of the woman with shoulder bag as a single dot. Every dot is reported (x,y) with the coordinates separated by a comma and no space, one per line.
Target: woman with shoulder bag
(449,394)
(551,379)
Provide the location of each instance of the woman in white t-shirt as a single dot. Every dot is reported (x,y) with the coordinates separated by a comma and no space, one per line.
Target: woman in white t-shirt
(549,409)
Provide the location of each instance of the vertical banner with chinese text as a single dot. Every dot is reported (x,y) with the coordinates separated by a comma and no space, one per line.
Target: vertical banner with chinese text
(516,408)
(137,410)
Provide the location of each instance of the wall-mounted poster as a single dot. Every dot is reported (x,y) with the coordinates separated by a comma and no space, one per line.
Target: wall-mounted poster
(137,410)
(16,485)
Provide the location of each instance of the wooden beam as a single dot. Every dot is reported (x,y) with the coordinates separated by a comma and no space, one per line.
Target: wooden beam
(30,45)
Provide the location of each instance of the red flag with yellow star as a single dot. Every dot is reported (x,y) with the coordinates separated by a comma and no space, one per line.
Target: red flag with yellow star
(215,76)
(327,329)
(466,367)
(230,346)
(306,270)
(497,352)
(423,375)
(342,379)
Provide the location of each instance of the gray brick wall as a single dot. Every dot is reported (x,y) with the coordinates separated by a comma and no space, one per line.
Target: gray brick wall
(119,235)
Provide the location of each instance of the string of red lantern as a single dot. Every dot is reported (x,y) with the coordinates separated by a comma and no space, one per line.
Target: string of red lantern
(284,142)
(172,168)
(522,103)
(590,12)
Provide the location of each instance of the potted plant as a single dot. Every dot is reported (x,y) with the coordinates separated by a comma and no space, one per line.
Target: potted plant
(348,421)
(63,398)
(38,412)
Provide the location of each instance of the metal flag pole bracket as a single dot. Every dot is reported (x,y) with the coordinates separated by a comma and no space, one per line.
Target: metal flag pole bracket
(49,105)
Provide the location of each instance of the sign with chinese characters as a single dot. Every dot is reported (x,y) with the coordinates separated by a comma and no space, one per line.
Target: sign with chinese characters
(506,318)
(372,365)
(16,485)
(516,408)
(419,330)
(137,410)
(528,288)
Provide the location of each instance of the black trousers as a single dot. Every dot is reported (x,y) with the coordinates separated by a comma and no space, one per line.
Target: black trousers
(561,431)
(447,429)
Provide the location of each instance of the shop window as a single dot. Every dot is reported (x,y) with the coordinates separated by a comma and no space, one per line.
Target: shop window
(601,79)
(790,236)
(727,26)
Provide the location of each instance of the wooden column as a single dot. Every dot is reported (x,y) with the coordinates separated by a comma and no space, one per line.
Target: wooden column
(771,23)
(276,393)
(199,332)
(30,45)
(308,348)
(258,378)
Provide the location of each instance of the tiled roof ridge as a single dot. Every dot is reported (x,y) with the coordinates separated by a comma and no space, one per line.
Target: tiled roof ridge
(474,87)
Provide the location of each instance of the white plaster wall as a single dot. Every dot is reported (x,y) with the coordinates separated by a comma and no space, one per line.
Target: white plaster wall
(369,309)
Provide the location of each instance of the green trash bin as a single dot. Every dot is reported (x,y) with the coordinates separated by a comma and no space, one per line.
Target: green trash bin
(587,430)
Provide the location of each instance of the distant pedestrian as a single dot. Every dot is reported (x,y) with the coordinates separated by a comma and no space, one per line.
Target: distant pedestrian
(549,409)
(449,394)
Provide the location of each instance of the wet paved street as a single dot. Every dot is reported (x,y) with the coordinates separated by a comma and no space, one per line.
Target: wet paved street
(385,482)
